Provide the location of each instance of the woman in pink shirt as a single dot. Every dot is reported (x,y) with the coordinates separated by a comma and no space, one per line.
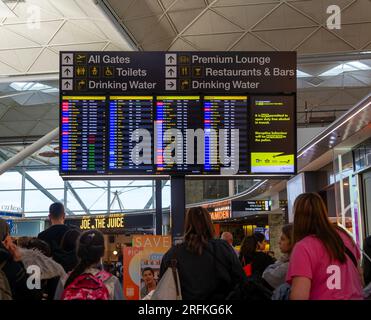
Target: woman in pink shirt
(324,262)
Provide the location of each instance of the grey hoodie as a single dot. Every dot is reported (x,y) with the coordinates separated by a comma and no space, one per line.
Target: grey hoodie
(275,274)
(48,267)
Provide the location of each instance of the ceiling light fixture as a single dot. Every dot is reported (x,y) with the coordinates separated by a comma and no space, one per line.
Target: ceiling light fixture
(333,130)
(32,86)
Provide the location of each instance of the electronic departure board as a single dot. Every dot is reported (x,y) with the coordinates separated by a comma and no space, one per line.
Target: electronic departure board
(128,115)
(175,117)
(228,113)
(83,138)
(177,113)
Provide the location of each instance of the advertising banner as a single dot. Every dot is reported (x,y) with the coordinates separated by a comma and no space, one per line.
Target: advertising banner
(147,252)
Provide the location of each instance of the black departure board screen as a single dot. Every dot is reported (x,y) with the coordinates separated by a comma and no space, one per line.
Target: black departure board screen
(175,116)
(157,114)
(129,117)
(272,134)
(224,149)
(83,134)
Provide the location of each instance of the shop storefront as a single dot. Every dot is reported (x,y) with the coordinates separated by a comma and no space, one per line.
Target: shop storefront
(116,228)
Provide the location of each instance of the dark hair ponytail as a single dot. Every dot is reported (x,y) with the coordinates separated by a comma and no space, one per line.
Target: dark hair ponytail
(90,250)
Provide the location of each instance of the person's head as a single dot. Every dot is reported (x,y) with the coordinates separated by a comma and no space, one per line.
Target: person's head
(286,243)
(148,276)
(311,218)
(260,241)
(198,229)
(4,229)
(227,236)
(248,247)
(69,240)
(90,250)
(56,213)
(40,245)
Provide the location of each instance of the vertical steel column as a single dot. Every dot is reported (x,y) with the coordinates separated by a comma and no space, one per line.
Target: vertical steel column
(109,197)
(23,192)
(158,201)
(177,207)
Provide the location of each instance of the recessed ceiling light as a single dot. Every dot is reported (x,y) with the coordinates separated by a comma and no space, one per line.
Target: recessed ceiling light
(32,86)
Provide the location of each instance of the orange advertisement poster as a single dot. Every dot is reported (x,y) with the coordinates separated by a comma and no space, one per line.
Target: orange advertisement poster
(150,241)
(146,252)
(130,278)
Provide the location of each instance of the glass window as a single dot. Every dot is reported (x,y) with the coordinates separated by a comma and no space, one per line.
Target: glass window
(10,181)
(47,178)
(11,198)
(36,203)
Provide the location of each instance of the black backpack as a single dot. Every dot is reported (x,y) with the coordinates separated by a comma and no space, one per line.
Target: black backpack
(251,290)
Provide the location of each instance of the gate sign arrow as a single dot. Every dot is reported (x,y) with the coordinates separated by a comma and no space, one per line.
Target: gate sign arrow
(67,84)
(67,58)
(170,84)
(170,59)
(170,72)
(67,71)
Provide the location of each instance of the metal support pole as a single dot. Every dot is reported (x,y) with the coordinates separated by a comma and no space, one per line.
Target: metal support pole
(158,202)
(31,149)
(109,197)
(23,192)
(177,207)
(77,197)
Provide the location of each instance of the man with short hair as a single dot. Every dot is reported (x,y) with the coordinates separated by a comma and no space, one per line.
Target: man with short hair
(227,236)
(54,234)
(150,283)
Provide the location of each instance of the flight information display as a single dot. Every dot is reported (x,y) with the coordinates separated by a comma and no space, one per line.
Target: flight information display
(226,127)
(272,134)
(129,118)
(83,134)
(176,116)
(129,113)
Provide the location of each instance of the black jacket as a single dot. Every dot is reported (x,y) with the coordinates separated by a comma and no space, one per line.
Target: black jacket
(53,235)
(367,263)
(259,262)
(17,277)
(206,277)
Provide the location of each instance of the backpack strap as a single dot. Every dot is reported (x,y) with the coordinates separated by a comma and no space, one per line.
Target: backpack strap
(103,275)
(173,266)
(351,256)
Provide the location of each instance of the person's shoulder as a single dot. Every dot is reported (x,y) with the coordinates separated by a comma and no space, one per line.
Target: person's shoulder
(308,240)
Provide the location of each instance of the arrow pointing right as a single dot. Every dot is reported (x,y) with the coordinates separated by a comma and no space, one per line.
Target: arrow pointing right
(171,84)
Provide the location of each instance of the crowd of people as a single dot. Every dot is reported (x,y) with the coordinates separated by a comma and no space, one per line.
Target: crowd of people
(319,261)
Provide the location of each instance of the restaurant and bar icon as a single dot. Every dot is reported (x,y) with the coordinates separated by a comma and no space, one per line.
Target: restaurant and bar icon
(197,71)
(94,71)
(80,58)
(80,85)
(80,71)
(108,71)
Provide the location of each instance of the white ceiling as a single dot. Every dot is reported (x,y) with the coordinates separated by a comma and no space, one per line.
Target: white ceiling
(36,30)
(28,54)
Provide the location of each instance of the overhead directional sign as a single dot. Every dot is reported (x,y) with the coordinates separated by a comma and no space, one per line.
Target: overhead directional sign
(206,72)
(170,113)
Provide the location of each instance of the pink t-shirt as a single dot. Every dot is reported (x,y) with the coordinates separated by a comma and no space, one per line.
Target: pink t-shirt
(331,280)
